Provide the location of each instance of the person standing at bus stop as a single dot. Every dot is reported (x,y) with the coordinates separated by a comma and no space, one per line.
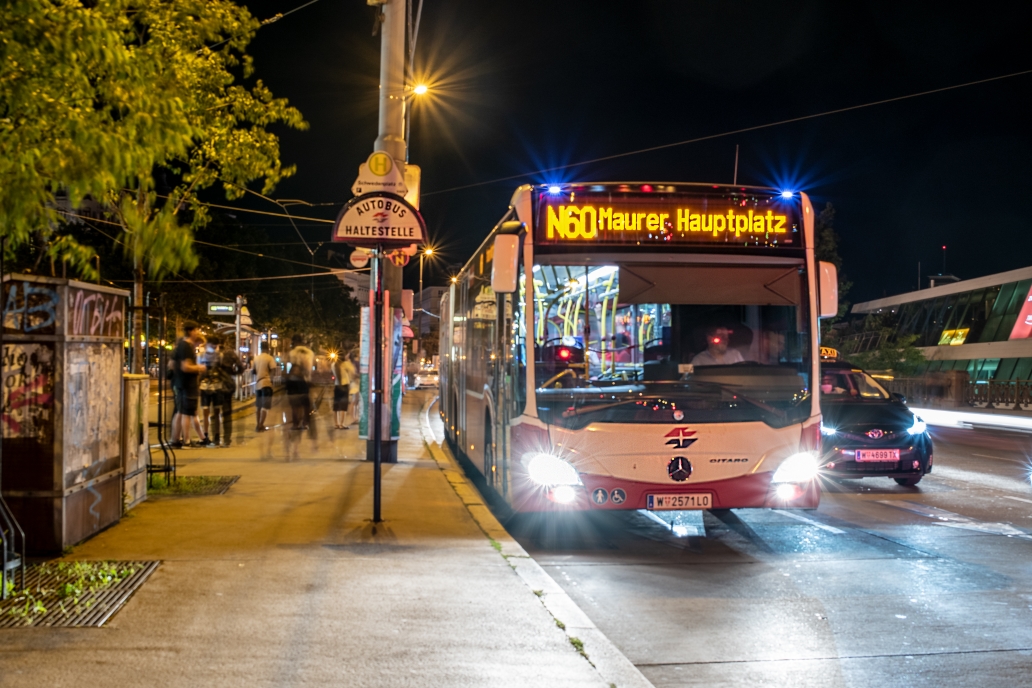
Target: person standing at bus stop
(186,372)
(264,367)
(341,392)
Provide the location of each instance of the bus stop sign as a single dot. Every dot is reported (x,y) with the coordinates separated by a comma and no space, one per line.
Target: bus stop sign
(379,219)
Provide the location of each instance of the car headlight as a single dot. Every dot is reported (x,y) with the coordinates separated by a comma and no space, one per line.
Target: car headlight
(798,468)
(826,431)
(548,470)
(918,427)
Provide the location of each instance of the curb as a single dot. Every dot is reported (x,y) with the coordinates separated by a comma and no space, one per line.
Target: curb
(611,664)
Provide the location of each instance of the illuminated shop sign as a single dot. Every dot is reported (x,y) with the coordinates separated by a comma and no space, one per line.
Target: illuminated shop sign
(1023,325)
(954,337)
(603,219)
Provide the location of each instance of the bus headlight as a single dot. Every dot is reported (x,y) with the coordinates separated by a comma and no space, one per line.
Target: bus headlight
(918,427)
(798,468)
(550,471)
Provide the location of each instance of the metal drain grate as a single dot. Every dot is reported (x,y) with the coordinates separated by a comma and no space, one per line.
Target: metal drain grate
(93,609)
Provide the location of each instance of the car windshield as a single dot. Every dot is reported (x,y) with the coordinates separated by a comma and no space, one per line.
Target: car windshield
(641,343)
(844,384)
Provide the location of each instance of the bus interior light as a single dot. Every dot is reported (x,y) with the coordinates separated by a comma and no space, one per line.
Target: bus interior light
(551,471)
(564,354)
(798,468)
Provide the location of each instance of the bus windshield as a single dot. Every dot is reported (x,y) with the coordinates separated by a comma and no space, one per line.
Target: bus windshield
(634,343)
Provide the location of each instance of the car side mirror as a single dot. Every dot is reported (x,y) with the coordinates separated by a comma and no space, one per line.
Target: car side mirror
(828,290)
(899,397)
(505,266)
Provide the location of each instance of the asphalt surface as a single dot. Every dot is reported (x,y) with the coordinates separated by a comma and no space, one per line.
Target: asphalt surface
(881,586)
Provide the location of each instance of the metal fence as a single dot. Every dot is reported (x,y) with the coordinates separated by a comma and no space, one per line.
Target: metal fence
(956,391)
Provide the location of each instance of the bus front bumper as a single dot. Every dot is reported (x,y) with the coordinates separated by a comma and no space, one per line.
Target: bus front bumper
(603,492)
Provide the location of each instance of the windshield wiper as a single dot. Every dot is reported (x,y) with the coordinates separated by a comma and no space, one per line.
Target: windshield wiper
(744,397)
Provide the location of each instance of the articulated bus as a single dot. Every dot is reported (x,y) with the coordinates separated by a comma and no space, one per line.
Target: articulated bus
(640,346)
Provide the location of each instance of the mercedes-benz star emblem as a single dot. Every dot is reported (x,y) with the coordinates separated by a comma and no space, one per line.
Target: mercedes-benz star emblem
(679,469)
(875,434)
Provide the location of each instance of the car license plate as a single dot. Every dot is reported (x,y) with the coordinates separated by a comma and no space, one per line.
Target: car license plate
(678,502)
(877,454)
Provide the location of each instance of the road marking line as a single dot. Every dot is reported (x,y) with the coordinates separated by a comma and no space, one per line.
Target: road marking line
(817,524)
(952,520)
(1018,499)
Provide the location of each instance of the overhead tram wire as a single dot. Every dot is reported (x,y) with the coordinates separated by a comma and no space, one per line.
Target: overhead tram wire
(329,270)
(265,22)
(743,130)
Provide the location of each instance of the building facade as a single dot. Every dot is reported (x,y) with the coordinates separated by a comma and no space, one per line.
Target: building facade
(982,326)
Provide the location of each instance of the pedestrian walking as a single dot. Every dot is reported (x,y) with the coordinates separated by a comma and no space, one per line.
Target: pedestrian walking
(186,373)
(341,393)
(264,367)
(301,359)
(351,366)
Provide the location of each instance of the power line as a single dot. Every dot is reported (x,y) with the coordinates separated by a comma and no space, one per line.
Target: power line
(265,22)
(728,133)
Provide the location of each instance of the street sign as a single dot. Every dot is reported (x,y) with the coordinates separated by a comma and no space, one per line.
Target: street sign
(398,258)
(219,308)
(412,177)
(380,173)
(359,258)
(379,218)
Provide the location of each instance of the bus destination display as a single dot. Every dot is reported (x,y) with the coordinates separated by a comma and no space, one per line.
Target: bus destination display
(602,219)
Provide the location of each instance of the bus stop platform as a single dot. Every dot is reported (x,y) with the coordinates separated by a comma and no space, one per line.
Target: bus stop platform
(284,580)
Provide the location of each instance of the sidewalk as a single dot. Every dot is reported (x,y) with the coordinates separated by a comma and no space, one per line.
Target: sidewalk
(284,581)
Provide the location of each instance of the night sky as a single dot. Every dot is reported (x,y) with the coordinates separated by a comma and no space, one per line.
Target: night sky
(520,86)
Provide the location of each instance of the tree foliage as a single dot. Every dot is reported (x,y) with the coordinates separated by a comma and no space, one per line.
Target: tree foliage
(96,98)
(827,250)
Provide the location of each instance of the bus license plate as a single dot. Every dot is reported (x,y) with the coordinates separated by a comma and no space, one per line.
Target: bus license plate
(679,502)
(877,454)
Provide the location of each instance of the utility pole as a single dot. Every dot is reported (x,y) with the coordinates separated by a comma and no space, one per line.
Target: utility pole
(390,139)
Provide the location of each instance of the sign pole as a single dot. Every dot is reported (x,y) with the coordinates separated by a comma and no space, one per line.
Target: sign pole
(377,377)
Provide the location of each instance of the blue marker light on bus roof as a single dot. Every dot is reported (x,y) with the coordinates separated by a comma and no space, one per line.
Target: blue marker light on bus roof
(555,189)
(787,194)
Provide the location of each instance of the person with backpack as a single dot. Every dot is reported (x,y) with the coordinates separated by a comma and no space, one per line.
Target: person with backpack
(228,368)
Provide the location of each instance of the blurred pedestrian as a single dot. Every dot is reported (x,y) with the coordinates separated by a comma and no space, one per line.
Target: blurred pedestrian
(264,367)
(186,374)
(341,392)
(211,387)
(301,360)
(351,366)
(227,369)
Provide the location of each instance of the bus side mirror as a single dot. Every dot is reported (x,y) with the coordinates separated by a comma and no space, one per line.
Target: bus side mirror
(505,266)
(828,290)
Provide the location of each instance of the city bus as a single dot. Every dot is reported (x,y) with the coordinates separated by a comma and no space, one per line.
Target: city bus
(640,346)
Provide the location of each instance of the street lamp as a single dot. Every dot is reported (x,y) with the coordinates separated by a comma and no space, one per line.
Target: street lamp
(419,90)
(425,253)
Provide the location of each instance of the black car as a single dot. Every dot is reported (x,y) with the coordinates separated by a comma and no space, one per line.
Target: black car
(867,432)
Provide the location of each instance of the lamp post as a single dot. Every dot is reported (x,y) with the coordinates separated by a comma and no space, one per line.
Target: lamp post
(418,90)
(428,251)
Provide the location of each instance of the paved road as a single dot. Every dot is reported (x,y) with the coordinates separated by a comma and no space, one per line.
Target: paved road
(881,586)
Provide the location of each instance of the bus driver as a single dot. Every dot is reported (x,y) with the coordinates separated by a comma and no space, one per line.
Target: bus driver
(716,352)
